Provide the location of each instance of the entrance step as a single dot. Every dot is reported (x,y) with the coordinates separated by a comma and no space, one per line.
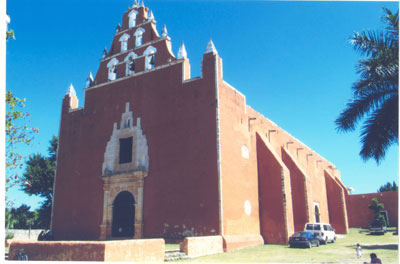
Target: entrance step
(175,254)
(6,257)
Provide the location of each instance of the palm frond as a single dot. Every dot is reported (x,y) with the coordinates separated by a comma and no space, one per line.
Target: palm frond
(392,20)
(380,131)
(356,109)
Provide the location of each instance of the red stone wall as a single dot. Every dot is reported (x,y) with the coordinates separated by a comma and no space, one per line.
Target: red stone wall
(273,216)
(149,250)
(235,242)
(179,122)
(201,246)
(239,174)
(299,194)
(336,205)
(311,163)
(360,215)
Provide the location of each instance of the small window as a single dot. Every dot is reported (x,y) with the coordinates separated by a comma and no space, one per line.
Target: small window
(150,58)
(132,18)
(124,42)
(112,73)
(317,227)
(309,227)
(130,66)
(124,45)
(326,228)
(139,37)
(125,150)
(139,41)
(112,69)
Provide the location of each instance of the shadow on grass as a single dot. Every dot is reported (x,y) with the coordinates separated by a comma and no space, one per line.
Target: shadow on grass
(384,246)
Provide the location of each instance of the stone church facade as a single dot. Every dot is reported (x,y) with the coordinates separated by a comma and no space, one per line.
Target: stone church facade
(155,153)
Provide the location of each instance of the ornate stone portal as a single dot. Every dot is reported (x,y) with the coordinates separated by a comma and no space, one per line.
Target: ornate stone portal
(125,166)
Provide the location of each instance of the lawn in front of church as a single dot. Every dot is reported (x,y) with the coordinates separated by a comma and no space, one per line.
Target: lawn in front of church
(343,251)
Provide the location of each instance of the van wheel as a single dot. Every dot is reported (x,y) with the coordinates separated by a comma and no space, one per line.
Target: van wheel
(334,240)
(318,243)
(309,245)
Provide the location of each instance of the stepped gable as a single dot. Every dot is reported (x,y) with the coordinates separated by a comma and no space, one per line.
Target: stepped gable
(136,42)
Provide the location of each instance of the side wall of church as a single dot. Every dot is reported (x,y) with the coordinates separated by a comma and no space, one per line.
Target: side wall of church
(307,197)
(238,164)
(276,214)
(178,118)
(298,183)
(337,204)
(312,165)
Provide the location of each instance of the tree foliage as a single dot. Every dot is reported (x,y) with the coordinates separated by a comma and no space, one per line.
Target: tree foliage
(375,94)
(20,218)
(388,187)
(377,207)
(38,180)
(17,133)
(9,32)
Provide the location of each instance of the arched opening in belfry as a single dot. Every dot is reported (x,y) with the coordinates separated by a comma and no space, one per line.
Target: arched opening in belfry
(317,220)
(123,215)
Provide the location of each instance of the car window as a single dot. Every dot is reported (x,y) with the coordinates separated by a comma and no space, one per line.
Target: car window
(303,234)
(317,227)
(326,228)
(309,227)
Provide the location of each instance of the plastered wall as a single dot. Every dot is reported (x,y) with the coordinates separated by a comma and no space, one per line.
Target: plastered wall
(359,214)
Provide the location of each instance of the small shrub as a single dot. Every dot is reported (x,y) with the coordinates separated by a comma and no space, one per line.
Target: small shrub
(9,235)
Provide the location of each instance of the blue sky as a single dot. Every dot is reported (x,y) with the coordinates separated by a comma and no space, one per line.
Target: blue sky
(292,60)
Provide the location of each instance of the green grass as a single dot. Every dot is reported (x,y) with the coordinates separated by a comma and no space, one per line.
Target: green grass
(343,251)
(171,246)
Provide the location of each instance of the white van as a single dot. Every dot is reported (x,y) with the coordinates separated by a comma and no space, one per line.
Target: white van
(324,232)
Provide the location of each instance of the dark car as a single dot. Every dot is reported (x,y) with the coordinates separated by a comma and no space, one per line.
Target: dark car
(304,239)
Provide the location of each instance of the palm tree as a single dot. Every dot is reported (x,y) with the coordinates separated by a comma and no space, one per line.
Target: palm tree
(375,94)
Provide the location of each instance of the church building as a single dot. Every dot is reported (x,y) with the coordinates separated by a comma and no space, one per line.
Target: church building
(156,153)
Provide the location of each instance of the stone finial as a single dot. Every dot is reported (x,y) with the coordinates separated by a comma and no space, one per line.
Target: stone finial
(164,32)
(71,90)
(182,52)
(135,4)
(89,80)
(142,4)
(105,52)
(210,47)
(150,16)
(118,28)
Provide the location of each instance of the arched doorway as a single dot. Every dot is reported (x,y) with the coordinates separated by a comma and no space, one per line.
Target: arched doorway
(123,215)
(317,220)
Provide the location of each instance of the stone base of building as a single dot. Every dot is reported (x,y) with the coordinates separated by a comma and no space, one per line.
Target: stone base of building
(138,250)
(202,246)
(235,242)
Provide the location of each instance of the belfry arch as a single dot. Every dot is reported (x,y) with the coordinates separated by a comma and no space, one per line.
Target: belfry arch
(125,166)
